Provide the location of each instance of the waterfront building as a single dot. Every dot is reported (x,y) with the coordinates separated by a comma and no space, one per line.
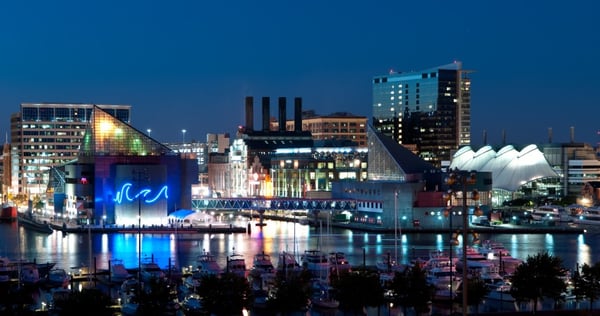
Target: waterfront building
(523,173)
(215,144)
(428,111)
(44,136)
(124,177)
(336,126)
(403,189)
(289,163)
(575,163)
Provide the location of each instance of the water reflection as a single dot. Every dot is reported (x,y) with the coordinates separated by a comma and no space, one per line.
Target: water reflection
(182,248)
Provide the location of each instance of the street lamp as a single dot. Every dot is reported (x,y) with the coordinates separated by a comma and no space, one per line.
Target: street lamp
(149,131)
(457,181)
(183,136)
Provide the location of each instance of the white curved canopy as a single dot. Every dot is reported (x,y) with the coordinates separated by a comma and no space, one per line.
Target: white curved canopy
(510,168)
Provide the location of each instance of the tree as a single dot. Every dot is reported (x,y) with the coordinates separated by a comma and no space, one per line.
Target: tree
(587,283)
(37,203)
(291,292)
(477,290)
(411,289)
(225,295)
(158,298)
(538,277)
(357,289)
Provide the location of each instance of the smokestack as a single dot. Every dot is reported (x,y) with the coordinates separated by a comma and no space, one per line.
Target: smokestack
(266,113)
(249,113)
(297,114)
(572,134)
(550,135)
(282,114)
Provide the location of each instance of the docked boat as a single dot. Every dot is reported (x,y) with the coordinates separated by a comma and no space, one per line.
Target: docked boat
(338,262)
(9,212)
(128,297)
(11,268)
(236,265)
(150,270)
(316,262)
(207,264)
(588,216)
(389,265)
(118,272)
(58,277)
(552,213)
(30,223)
(322,296)
(496,253)
(287,263)
(262,263)
(30,274)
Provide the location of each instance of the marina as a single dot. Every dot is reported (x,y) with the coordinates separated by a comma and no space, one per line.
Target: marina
(294,243)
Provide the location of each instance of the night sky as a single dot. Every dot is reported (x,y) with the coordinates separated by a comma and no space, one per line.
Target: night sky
(189,64)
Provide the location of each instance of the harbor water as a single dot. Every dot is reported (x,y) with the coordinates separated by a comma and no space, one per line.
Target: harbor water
(73,251)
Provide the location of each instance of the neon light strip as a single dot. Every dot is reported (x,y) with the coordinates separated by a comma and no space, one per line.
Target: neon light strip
(123,194)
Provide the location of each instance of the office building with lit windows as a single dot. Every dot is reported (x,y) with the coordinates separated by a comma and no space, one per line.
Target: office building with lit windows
(339,126)
(46,135)
(427,111)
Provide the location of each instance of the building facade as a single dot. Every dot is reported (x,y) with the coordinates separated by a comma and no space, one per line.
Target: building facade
(124,177)
(427,111)
(339,126)
(46,135)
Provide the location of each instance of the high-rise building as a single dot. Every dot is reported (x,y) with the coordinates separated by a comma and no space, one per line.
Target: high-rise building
(46,135)
(428,111)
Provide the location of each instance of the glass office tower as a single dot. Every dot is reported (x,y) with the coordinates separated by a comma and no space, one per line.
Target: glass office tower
(427,111)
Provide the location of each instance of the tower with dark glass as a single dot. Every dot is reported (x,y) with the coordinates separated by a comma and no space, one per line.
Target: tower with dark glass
(427,111)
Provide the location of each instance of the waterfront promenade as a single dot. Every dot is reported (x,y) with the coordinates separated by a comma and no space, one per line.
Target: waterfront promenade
(229,228)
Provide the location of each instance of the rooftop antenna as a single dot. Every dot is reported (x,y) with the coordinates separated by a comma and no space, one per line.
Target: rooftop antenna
(484,137)
(503,137)
(572,134)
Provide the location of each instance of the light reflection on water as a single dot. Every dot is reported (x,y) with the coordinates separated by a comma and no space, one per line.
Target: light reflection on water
(182,248)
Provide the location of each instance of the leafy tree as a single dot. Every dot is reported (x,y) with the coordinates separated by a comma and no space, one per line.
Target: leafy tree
(225,295)
(291,292)
(158,297)
(587,283)
(357,289)
(411,289)
(477,290)
(538,277)
(38,204)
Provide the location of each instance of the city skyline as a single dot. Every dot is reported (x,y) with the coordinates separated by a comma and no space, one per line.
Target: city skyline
(188,66)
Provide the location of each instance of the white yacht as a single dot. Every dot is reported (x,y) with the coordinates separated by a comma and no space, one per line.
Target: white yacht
(236,264)
(553,213)
(207,264)
(316,262)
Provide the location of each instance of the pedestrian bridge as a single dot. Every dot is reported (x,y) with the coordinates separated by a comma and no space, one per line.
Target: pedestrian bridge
(257,203)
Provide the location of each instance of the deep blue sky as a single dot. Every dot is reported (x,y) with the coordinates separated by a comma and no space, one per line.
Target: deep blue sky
(189,64)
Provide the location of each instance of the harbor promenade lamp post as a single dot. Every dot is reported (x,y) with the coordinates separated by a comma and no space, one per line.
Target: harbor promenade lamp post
(183,136)
(458,181)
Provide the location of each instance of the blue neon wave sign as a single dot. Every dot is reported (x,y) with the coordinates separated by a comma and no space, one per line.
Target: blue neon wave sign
(124,194)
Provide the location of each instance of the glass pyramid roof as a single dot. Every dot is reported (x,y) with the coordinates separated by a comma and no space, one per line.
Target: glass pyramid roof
(108,136)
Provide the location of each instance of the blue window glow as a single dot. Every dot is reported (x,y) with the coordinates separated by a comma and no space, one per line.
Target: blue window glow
(146,194)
